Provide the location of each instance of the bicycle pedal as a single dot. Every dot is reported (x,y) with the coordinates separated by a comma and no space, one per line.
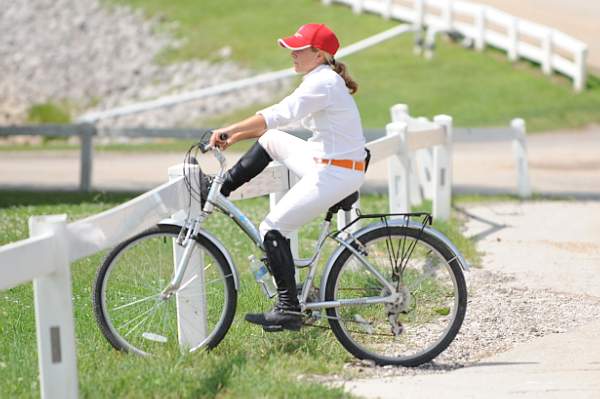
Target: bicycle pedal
(276,328)
(282,327)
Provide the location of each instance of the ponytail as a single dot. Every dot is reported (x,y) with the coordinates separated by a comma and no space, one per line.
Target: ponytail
(341,69)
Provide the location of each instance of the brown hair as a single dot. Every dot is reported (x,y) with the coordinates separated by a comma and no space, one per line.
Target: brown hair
(341,69)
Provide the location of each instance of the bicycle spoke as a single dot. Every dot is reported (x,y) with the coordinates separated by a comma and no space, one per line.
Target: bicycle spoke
(127,293)
(135,302)
(216,280)
(152,309)
(411,329)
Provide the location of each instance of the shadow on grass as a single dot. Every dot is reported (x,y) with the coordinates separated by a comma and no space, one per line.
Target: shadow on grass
(32,198)
(218,377)
(305,341)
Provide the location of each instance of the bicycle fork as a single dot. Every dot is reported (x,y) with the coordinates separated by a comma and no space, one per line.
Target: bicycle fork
(186,241)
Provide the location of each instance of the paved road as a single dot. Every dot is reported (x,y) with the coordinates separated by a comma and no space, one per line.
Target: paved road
(558,366)
(546,245)
(564,162)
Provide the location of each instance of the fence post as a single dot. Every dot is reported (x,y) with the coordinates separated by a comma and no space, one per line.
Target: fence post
(191,299)
(273,200)
(357,6)
(419,43)
(326,2)
(54,314)
(429,44)
(344,218)
(480,29)
(419,13)
(399,113)
(386,12)
(447,14)
(398,171)
(424,160)
(520,151)
(547,52)
(513,39)
(580,78)
(86,133)
(442,171)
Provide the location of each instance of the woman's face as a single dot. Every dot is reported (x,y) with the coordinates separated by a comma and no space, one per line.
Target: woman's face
(306,60)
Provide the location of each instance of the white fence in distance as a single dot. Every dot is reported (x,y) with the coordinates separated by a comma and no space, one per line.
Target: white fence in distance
(516,133)
(45,258)
(486,25)
(422,166)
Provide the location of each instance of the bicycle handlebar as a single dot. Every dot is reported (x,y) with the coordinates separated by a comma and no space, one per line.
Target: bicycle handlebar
(205,147)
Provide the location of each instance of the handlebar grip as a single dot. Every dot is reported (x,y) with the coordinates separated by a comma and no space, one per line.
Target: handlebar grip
(223,136)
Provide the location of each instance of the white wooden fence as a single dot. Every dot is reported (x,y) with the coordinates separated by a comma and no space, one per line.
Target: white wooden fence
(485,25)
(515,133)
(423,169)
(45,257)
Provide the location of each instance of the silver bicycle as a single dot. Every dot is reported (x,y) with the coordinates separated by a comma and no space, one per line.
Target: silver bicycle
(393,291)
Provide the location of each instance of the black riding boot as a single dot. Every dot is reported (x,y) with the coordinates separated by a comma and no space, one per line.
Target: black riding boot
(249,166)
(285,315)
(246,168)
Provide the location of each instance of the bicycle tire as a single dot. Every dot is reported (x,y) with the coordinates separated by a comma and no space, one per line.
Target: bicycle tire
(429,246)
(144,252)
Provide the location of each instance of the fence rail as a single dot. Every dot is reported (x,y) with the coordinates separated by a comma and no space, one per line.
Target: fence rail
(485,25)
(85,131)
(416,125)
(167,101)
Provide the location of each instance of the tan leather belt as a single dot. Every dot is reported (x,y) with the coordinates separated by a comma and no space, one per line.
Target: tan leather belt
(343,163)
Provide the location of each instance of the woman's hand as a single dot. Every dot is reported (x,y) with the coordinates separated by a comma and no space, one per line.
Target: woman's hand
(249,128)
(220,138)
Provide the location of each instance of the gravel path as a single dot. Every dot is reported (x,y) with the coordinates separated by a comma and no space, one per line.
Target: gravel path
(499,316)
(517,297)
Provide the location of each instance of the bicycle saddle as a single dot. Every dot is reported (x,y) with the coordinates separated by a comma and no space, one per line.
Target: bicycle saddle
(345,204)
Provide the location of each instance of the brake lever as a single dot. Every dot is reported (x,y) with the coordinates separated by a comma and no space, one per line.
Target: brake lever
(205,147)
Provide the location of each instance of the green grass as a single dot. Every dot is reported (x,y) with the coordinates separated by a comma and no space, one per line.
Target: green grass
(475,88)
(48,113)
(248,363)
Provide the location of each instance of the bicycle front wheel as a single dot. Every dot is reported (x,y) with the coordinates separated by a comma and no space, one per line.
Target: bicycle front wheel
(431,301)
(129,308)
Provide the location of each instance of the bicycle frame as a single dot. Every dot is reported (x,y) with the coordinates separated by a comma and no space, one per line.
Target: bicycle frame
(216,199)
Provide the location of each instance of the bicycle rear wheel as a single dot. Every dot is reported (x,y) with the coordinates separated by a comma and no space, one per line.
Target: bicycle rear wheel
(130,311)
(429,310)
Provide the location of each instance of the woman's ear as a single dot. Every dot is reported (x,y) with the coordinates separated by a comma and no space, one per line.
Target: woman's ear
(321,57)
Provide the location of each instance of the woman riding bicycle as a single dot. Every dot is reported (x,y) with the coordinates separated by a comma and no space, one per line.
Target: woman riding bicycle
(330,165)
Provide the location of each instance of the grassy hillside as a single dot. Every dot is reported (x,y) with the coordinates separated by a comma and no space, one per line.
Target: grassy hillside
(475,88)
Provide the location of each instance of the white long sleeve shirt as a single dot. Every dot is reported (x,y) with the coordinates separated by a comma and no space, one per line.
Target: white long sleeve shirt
(323,105)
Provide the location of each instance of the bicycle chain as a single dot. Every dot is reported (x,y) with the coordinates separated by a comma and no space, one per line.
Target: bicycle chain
(343,320)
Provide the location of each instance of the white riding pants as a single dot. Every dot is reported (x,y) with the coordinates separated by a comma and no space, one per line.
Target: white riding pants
(320,185)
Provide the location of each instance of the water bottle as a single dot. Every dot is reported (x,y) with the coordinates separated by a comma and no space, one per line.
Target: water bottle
(262,276)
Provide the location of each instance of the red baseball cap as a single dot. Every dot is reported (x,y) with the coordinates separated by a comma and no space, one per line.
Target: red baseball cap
(312,35)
